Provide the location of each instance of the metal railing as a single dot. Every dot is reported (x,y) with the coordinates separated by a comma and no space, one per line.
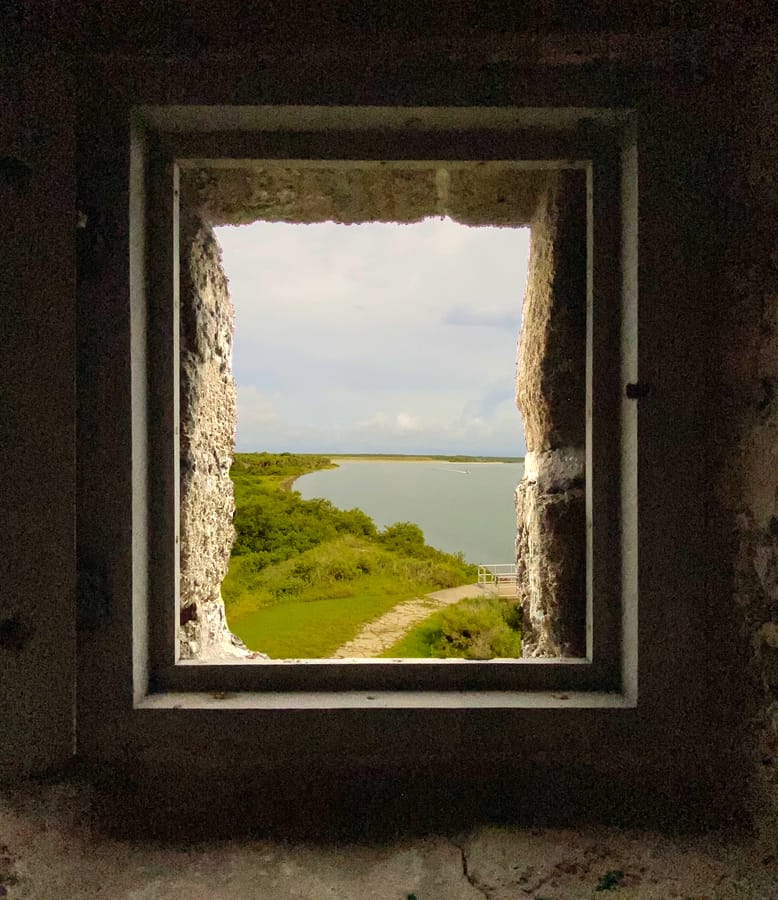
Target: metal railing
(498,579)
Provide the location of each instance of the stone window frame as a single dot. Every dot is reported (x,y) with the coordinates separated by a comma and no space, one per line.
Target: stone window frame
(604,143)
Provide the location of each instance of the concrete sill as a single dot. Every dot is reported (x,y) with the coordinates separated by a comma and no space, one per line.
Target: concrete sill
(296,700)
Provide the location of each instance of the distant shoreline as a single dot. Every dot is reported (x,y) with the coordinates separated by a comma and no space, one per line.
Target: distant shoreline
(334,459)
(401,457)
(369,458)
(389,457)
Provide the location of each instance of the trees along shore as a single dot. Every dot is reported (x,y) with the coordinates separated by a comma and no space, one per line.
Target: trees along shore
(305,576)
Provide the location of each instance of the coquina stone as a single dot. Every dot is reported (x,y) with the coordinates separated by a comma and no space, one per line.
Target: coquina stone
(551,397)
(489,194)
(551,569)
(555,470)
(551,374)
(207,439)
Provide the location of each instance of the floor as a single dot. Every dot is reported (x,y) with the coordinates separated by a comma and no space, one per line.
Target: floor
(48,851)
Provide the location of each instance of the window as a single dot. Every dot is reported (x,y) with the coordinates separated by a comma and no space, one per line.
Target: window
(529,145)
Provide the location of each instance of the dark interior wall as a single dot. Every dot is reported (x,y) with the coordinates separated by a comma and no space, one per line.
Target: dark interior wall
(37,413)
(707,351)
(743,424)
(191,26)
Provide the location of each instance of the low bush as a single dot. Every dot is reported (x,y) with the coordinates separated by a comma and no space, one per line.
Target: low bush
(473,628)
(477,628)
(403,537)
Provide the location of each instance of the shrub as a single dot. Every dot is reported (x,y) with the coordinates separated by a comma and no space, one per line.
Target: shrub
(478,628)
(403,537)
(354,521)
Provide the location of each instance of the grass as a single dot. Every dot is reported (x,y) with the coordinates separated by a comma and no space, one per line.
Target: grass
(314,629)
(311,604)
(304,576)
(417,644)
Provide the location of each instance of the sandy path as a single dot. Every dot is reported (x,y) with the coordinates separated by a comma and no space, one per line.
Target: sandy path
(381,633)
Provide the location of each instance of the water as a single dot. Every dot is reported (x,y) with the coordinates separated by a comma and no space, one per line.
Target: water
(465,507)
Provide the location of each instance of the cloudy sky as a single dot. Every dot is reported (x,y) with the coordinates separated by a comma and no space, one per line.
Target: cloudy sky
(376,337)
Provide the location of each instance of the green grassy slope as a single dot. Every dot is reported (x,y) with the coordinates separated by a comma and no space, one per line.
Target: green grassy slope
(304,576)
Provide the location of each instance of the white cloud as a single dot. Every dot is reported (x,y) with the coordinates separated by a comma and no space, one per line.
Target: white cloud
(400,424)
(405,422)
(341,344)
(256,408)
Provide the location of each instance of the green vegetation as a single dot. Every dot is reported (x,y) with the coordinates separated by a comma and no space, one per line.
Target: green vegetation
(305,576)
(473,628)
(272,523)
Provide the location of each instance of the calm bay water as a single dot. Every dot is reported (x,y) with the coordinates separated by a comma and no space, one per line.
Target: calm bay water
(465,507)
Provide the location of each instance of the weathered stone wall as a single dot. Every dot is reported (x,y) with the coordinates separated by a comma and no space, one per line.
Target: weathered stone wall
(489,194)
(551,375)
(551,395)
(208,417)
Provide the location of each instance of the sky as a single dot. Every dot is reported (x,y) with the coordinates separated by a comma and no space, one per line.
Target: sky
(377,337)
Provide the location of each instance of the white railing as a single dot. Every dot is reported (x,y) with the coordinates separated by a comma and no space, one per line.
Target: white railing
(498,579)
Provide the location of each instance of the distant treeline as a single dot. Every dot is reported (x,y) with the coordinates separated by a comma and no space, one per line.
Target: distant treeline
(272,523)
(411,457)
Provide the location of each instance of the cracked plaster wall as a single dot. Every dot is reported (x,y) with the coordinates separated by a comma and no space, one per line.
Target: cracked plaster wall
(746,426)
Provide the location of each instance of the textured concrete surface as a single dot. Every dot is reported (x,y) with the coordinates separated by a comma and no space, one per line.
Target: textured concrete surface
(48,851)
(208,417)
(491,194)
(551,370)
(551,397)
(551,568)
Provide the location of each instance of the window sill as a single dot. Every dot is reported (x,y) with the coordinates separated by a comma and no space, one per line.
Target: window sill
(388,700)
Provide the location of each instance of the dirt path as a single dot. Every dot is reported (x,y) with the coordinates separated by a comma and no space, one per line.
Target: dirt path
(381,633)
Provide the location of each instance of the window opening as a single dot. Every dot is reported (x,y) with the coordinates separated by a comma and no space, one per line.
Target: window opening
(480,166)
(331,586)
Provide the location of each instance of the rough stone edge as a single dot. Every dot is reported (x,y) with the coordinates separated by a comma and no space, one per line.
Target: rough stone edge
(550,499)
(207,323)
